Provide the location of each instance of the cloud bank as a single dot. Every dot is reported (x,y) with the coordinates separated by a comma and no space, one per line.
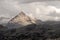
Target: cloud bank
(41,10)
(44,10)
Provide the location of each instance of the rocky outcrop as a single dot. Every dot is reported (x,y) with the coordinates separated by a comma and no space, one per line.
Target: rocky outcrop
(21,20)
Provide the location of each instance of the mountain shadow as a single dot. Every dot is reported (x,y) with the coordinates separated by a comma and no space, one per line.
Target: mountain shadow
(43,31)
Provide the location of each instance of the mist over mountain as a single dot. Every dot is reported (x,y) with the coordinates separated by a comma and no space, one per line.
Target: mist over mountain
(29,19)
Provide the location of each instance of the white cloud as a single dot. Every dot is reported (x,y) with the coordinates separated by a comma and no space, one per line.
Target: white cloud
(10,8)
(41,10)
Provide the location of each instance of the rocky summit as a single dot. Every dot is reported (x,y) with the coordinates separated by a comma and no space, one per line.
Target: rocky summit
(21,20)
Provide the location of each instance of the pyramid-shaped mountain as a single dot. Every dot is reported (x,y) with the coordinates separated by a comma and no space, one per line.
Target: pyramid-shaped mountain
(21,20)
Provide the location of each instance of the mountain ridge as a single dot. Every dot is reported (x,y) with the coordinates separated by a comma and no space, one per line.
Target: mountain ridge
(21,20)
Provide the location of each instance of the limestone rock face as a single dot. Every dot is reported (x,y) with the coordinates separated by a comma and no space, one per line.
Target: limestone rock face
(22,19)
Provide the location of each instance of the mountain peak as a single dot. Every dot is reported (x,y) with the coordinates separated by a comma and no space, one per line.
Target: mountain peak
(21,13)
(22,19)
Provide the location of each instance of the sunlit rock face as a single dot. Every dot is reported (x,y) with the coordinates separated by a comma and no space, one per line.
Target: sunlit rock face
(21,20)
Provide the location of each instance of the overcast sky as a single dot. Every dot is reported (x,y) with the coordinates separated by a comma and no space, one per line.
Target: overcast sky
(37,8)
